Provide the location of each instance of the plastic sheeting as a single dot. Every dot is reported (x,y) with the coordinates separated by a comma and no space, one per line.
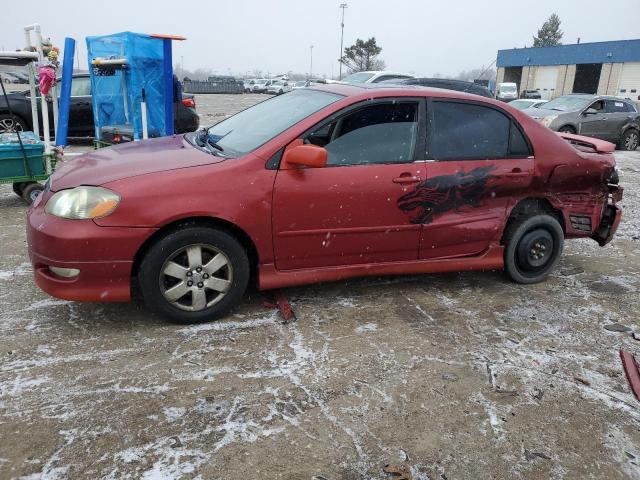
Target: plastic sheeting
(117,92)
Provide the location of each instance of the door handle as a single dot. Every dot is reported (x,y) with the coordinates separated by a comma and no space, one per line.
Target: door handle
(516,172)
(407,178)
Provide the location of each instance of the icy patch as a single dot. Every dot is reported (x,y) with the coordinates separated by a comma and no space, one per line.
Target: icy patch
(367,327)
(623,450)
(20,271)
(174,413)
(346,302)
(231,325)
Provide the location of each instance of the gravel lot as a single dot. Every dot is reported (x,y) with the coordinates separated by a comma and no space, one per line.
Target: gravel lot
(449,376)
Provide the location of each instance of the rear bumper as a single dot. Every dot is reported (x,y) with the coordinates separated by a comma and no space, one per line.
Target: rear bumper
(609,223)
(104,256)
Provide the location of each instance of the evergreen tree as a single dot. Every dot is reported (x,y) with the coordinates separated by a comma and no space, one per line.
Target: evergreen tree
(550,34)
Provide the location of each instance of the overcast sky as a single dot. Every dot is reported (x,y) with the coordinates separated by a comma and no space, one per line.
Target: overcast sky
(417,36)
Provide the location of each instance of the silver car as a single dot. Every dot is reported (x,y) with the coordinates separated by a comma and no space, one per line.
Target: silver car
(608,118)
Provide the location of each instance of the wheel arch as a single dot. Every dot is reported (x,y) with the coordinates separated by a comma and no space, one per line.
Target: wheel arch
(529,206)
(201,221)
(568,125)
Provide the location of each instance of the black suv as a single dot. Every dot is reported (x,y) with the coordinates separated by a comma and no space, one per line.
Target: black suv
(448,84)
(81,114)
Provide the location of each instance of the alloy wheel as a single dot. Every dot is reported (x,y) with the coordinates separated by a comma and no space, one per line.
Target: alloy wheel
(196,277)
(631,142)
(9,125)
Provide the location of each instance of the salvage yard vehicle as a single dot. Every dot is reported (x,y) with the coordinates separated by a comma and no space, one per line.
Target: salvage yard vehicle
(524,103)
(507,92)
(376,76)
(279,87)
(457,85)
(81,123)
(608,118)
(322,184)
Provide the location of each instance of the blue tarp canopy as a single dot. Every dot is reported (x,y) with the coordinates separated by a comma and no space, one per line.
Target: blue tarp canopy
(117,90)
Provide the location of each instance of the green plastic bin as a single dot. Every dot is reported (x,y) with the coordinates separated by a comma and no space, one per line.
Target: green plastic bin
(12,160)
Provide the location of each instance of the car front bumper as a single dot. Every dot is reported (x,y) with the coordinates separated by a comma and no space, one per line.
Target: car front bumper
(103,255)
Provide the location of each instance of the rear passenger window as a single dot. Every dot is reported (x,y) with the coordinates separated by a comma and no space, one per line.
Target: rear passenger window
(614,106)
(463,131)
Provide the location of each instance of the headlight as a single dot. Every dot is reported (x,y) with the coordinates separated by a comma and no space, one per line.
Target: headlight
(82,203)
(546,121)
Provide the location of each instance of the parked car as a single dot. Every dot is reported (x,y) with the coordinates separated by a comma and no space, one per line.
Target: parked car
(279,87)
(8,77)
(354,184)
(261,85)
(301,84)
(507,92)
(248,84)
(533,94)
(374,77)
(458,85)
(525,103)
(608,118)
(81,114)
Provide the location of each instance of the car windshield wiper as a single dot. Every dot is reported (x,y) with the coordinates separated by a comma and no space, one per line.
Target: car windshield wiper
(203,139)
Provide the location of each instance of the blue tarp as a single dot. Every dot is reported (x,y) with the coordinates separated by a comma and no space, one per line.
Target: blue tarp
(117,93)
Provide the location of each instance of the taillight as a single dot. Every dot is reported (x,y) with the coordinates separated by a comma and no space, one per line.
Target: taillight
(189,102)
(117,138)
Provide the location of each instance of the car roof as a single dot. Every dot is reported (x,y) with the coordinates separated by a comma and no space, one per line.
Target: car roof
(380,90)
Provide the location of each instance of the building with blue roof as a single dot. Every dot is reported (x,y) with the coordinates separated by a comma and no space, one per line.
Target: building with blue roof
(604,68)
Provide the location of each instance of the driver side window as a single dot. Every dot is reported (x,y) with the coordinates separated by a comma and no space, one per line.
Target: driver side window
(598,106)
(376,134)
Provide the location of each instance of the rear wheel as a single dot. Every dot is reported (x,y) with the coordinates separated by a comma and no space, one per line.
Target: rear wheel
(630,140)
(31,191)
(533,248)
(194,274)
(568,129)
(18,187)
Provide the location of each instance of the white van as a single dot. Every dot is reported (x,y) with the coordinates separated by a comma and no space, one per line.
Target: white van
(507,92)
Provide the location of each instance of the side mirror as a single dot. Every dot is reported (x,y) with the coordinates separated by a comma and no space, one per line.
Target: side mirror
(591,111)
(305,156)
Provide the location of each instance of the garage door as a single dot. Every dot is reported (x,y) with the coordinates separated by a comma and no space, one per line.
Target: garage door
(546,79)
(629,86)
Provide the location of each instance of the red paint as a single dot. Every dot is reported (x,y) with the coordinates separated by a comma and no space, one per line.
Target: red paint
(632,372)
(307,224)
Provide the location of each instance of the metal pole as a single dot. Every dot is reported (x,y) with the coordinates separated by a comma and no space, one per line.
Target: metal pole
(311,66)
(342,6)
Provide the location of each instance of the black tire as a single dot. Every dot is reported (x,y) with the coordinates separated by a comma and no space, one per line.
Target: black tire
(171,249)
(11,123)
(567,129)
(533,248)
(18,187)
(31,191)
(630,140)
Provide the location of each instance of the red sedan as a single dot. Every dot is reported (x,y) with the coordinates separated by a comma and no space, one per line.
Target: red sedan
(320,184)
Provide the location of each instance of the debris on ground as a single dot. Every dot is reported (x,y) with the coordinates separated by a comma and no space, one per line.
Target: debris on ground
(617,327)
(397,472)
(632,372)
(282,303)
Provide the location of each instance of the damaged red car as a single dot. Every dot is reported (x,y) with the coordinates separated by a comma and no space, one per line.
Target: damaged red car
(320,184)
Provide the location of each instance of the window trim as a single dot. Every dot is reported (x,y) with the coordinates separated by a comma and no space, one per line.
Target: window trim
(513,122)
(348,110)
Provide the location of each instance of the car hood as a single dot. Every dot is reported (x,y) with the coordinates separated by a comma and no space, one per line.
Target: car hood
(543,112)
(129,160)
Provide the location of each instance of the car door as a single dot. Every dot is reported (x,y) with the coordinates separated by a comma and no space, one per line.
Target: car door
(81,113)
(478,161)
(619,117)
(347,212)
(594,124)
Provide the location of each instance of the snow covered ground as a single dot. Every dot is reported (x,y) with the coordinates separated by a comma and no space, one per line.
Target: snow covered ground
(454,376)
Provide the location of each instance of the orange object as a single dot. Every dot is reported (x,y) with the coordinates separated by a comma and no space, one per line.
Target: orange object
(168,36)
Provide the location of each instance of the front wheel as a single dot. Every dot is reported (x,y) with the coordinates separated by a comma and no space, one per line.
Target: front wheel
(194,274)
(533,248)
(567,129)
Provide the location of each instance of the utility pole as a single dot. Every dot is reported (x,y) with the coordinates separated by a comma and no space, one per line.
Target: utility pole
(311,66)
(181,67)
(342,6)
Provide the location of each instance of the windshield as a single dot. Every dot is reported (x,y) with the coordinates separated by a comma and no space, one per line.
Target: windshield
(508,88)
(521,104)
(247,130)
(361,77)
(567,104)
